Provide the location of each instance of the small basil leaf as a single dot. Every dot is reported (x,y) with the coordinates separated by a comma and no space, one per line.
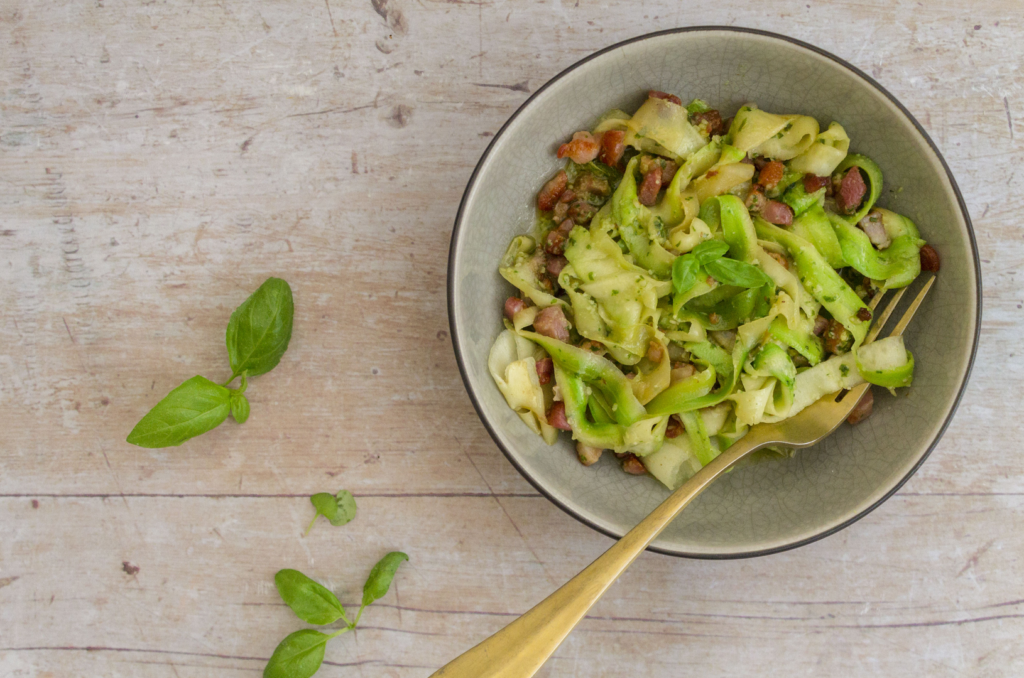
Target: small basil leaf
(346,508)
(738,273)
(339,509)
(310,601)
(379,581)
(298,656)
(684,273)
(260,329)
(709,250)
(325,504)
(195,407)
(239,407)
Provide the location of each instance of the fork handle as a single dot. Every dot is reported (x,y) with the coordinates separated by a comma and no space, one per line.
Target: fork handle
(522,647)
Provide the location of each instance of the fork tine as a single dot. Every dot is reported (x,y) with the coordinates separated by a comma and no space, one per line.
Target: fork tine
(853,396)
(876,300)
(827,414)
(914,305)
(884,316)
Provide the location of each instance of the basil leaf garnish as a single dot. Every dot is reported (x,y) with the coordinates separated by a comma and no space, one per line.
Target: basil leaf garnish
(709,250)
(684,273)
(738,273)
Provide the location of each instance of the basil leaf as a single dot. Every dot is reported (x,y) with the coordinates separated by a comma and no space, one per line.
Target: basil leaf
(298,656)
(684,273)
(195,407)
(260,329)
(345,508)
(738,273)
(709,250)
(239,407)
(325,504)
(310,601)
(379,581)
(339,509)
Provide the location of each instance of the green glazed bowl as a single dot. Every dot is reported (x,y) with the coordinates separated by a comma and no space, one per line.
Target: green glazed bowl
(775,505)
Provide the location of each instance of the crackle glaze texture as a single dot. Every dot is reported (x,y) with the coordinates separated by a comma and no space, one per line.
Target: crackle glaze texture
(775,504)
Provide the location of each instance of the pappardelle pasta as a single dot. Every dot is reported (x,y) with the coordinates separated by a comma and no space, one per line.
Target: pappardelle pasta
(688,278)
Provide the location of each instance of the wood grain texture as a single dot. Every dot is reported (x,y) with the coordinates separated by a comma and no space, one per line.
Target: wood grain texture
(159,160)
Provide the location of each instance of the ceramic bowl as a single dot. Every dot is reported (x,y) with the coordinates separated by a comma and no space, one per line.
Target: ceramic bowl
(770,506)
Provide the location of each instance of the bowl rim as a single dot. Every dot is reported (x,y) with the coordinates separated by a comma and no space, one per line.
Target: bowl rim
(537,484)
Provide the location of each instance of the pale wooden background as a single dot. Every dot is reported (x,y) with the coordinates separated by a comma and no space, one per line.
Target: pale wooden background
(159,159)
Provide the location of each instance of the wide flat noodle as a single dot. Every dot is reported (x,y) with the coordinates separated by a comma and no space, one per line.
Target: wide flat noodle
(520,265)
(662,127)
(824,155)
(779,137)
(617,301)
(512,363)
(840,372)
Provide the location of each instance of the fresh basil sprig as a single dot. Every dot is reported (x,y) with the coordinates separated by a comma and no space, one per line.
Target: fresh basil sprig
(257,336)
(686,268)
(709,250)
(301,653)
(339,508)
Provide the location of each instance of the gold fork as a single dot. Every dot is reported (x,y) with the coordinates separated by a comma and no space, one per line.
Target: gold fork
(522,647)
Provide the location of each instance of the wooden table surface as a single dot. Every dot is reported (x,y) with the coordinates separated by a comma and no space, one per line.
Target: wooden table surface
(158,160)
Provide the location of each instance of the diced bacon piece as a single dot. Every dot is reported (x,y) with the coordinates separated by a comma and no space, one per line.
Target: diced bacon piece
(851,191)
(655,94)
(612,147)
(552,190)
(929,259)
(632,465)
(875,230)
(778,213)
(862,410)
(545,368)
(771,174)
(813,183)
(556,417)
(513,305)
(648,193)
(583,148)
(551,322)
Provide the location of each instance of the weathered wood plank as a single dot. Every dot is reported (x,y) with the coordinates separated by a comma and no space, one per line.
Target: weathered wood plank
(931,577)
(158,161)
